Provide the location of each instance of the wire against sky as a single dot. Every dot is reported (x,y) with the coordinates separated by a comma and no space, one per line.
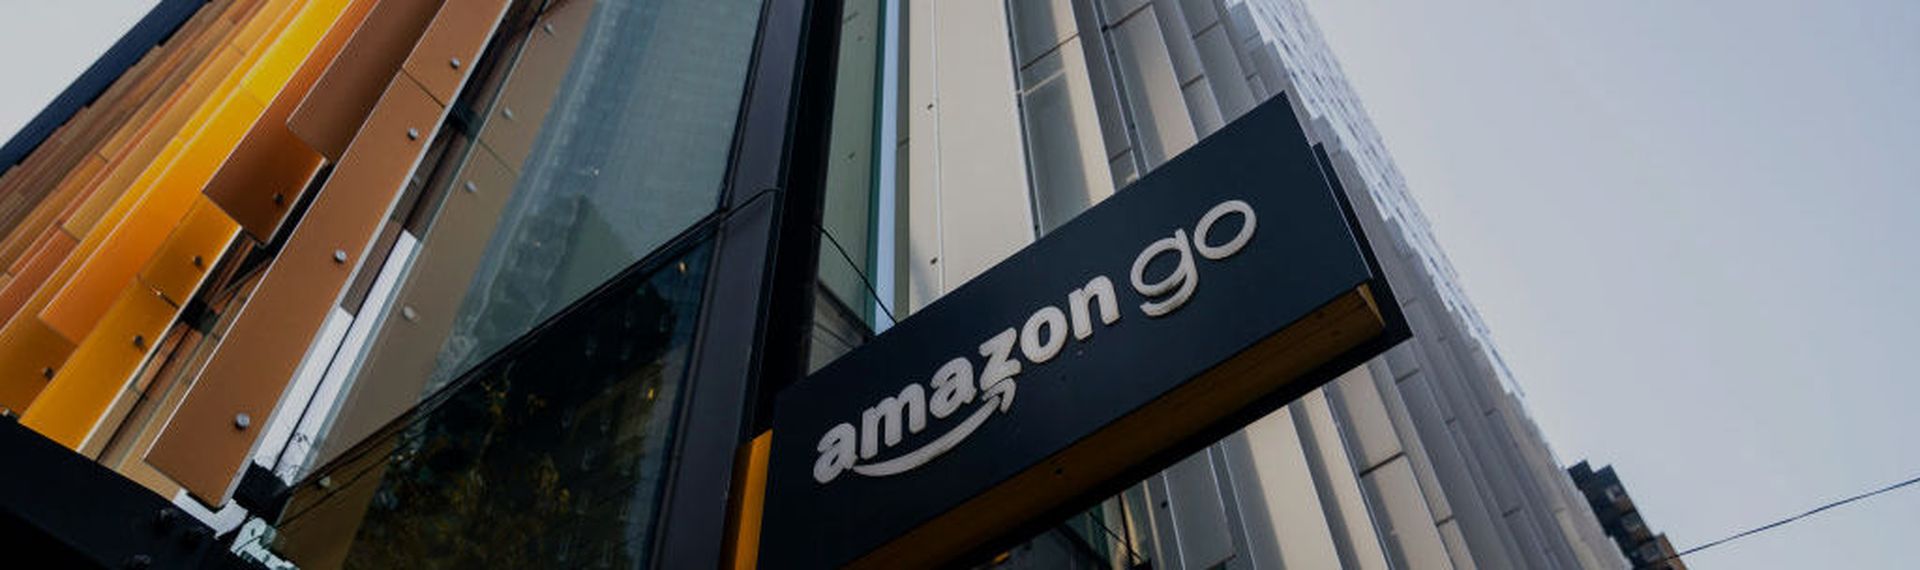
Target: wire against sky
(1783,522)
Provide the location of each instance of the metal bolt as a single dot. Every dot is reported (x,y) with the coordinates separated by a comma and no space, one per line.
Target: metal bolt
(137,562)
(409,314)
(139,342)
(279,199)
(199,262)
(339,256)
(455,62)
(325,482)
(548,26)
(507,112)
(471,188)
(242,420)
(47,372)
(413,134)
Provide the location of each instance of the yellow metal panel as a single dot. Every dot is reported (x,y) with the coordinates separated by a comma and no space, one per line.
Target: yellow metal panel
(195,245)
(68,408)
(292,47)
(264,22)
(28,352)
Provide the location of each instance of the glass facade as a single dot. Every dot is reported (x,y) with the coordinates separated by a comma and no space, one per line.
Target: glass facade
(604,132)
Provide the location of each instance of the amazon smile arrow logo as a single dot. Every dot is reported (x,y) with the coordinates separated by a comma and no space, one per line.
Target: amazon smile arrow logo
(1044,335)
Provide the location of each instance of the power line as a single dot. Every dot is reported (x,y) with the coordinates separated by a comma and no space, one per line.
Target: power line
(1783,522)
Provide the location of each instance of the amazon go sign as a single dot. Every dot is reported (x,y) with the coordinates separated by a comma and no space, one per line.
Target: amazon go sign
(1208,292)
(992,385)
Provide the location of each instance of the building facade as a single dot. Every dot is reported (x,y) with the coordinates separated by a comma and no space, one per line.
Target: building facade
(1622,521)
(368,283)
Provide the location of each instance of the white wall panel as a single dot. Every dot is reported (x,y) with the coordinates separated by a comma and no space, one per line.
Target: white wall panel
(1288,495)
(1408,525)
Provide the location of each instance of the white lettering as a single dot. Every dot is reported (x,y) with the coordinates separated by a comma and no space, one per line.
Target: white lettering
(1181,282)
(1202,229)
(836,452)
(886,416)
(996,378)
(952,387)
(1100,289)
(1037,350)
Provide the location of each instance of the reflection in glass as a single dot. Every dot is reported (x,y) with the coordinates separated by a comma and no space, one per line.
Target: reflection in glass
(551,455)
(632,152)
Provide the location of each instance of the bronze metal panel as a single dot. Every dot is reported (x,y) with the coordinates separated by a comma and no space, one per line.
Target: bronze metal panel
(263,177)
(444,56)
(201,446)
(35,223)
(515,119)
(51,249)
(394,375)
(334,109)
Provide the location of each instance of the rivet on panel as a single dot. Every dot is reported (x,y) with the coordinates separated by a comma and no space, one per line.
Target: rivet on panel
(279,199)
(413,134)
(47,372)
(548,27)
(140,342)
(409,314)
(199,262)
(507,112)
(339,256)
(471,188)
(455,62)
(242,420)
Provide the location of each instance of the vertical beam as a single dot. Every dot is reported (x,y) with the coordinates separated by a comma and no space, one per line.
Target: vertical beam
(758,299)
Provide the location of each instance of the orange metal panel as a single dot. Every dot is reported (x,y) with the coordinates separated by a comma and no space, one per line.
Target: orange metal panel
(249,372)
(30,353)
(82,300)
(339,102)
(72,404)
(536,78)
(264,176)
(444,56)
(177,269)
(126,249)
(743,532)
(156,145)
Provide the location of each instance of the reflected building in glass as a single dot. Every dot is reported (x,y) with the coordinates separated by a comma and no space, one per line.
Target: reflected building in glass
(377,283)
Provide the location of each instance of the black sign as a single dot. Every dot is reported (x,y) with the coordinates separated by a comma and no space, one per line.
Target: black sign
(1182,302)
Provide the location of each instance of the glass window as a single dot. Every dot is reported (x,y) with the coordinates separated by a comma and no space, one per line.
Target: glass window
(550,455)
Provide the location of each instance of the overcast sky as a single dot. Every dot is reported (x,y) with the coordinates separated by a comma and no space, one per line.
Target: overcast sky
(1691,227)
(1688,223)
